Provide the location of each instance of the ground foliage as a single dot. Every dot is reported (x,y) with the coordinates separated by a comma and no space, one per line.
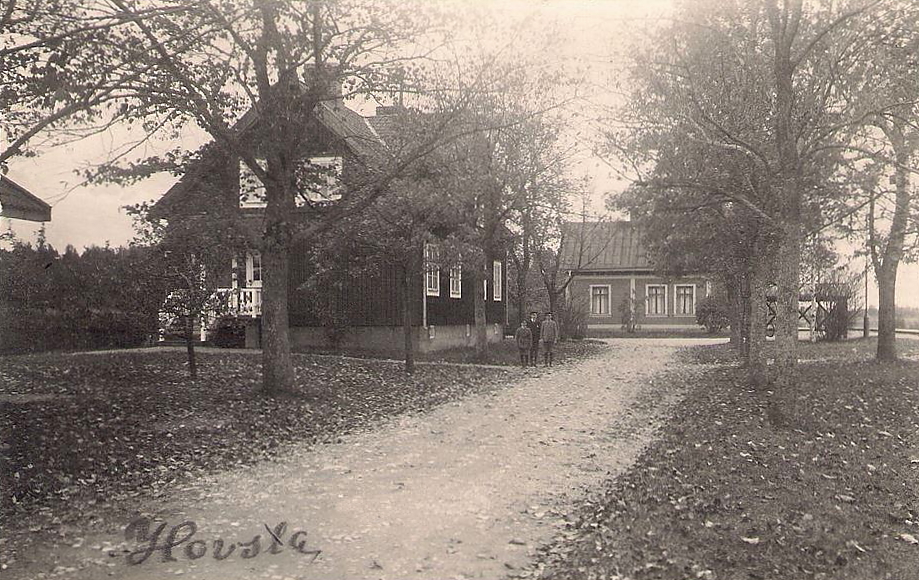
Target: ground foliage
(504,353)
(724,494)
(138,424)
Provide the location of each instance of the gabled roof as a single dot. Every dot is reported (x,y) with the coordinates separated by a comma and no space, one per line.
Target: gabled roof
(352,129)
(19,203)
(603,246)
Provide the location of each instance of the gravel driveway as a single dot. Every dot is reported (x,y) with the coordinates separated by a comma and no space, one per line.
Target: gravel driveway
(469,490)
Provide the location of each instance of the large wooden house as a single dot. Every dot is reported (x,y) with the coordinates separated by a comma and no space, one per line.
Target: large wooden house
(618,286)
(370,309)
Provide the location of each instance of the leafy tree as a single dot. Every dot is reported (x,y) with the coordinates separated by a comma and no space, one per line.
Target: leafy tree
(882,150)
(187,265)
(392,232)
(742,105)
(59,65)
(212,61)
(569,242)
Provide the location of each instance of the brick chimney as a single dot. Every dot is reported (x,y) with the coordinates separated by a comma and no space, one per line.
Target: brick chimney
(329,78)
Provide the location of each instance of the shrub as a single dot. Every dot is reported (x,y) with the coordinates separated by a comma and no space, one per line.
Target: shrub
(631,311)
(572,318)
(229,332)
(713,314)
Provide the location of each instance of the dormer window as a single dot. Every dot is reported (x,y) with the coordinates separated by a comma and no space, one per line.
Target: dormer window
(318,180)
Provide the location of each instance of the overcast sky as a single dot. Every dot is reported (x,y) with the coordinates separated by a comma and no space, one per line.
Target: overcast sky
(85,215)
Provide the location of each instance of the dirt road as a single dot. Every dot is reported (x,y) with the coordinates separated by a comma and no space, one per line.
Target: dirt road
(466,491)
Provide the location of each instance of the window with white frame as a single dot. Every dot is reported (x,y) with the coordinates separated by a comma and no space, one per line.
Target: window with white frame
(318,180)
(599,300)
(656,300)
(685,295)
(431,270)
(253,270)
(251,188)
(498,284)
(456,281)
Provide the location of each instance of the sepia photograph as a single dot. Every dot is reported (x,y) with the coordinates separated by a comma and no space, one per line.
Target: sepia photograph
(459,289)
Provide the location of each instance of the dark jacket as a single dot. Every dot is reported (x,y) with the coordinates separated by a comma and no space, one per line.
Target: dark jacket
(533,325)
(524,337)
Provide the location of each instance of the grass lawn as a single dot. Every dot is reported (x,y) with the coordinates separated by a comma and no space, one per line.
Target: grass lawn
(723,494)
(504,353)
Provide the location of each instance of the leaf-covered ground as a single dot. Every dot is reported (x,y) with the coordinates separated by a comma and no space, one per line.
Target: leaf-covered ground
(82,430)
(723,494)
(503,353)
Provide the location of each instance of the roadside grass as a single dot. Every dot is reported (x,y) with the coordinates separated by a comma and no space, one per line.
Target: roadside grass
(504,353)
(724,494)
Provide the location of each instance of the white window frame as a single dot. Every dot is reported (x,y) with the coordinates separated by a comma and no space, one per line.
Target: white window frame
(258,197)
(648,300)
(456,281)
(590,299)
(676,298)
(431,271)
(256,201)
(331,191)
(498,286)
(252,270)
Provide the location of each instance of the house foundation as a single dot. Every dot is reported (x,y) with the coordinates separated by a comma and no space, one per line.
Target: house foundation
(383,338)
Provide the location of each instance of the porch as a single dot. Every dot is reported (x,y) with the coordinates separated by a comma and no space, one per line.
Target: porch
(240,303)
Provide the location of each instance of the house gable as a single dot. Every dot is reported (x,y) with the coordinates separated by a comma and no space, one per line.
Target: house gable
(336,131)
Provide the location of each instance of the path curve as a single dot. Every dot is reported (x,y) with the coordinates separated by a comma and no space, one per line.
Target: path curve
(468,490)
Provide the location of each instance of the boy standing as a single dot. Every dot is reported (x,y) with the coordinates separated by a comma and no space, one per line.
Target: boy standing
(524,338)
(549,334)
(533,325)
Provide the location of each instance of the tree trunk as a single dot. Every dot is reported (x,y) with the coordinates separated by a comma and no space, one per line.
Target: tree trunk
(277,367)
(746,318)
(756,359)
(481,332)
(887,314)
(732,287)
(406,292)
(523,267)
(788,264)
(887,265)
(787,254)
(190,347)
(522,294)
(554,296)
